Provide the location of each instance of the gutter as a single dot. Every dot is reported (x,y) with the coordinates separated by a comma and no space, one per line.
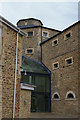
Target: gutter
(9,24)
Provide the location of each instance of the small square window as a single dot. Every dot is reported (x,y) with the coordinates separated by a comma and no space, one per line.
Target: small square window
(55,65)
(29,51)
(55,42)
(45,34)
(68,35)
(30,34)
(25,23)
(69,61)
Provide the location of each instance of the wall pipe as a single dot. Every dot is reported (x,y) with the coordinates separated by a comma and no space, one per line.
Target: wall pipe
(15,77)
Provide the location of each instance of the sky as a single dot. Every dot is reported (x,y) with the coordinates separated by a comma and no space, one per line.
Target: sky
(56,15)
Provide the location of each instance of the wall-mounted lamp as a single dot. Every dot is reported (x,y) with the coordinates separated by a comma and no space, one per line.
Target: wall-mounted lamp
(25,73)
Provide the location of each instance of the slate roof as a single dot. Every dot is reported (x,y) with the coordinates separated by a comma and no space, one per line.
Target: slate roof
(29,19)
(33,66)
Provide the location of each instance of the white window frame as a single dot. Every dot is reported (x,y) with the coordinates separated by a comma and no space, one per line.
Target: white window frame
(70,98)
(68,59)
(29,49)
(53,42)
(65,38)
(45,32)
(54,67)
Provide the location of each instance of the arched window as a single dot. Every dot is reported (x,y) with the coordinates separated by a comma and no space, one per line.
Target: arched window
(56,96)
(70,95)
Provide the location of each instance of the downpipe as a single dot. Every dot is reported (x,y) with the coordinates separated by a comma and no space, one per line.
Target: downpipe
(15,77)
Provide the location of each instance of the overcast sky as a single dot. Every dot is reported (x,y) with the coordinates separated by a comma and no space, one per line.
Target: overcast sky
(57,15)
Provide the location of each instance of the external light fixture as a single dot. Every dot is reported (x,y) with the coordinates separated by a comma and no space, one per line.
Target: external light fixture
(25,73)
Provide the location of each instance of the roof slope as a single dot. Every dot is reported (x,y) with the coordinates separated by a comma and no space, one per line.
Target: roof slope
(9,24)
(33,66)
(30,19)
(59,33)
(35,26)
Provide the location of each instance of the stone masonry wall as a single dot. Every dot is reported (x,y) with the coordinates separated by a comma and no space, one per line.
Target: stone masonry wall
(0,71)
(0,91)
(33,42)
(25,103)
(8,69)
(50,33)
(65,78)
(79,68)
(29,22)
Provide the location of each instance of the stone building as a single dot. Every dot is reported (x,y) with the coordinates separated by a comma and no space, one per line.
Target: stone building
(12,94)
(39,69)
(35,34)
(62,59)
(59,51)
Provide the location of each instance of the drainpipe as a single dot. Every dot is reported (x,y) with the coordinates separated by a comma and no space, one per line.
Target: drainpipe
(15,77)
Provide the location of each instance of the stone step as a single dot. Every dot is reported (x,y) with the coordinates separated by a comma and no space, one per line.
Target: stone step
(51,116)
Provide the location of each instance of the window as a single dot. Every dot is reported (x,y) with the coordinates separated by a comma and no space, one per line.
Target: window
(55,42)
(25,23)
(56,96)
(45,34)
(30,34)
(55,65)
(69,61)
(29,51)
(68,35)
(70,95)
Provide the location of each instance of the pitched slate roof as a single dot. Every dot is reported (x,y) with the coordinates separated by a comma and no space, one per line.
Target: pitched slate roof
(35,26)
(33,66)
(29,19)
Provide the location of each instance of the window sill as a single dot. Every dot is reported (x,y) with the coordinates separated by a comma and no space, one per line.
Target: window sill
(70,99)
(45,36)
(29,36)
(29,53)
(54,45)
(55,68)
(67,38)
(57,99)
(69,65)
